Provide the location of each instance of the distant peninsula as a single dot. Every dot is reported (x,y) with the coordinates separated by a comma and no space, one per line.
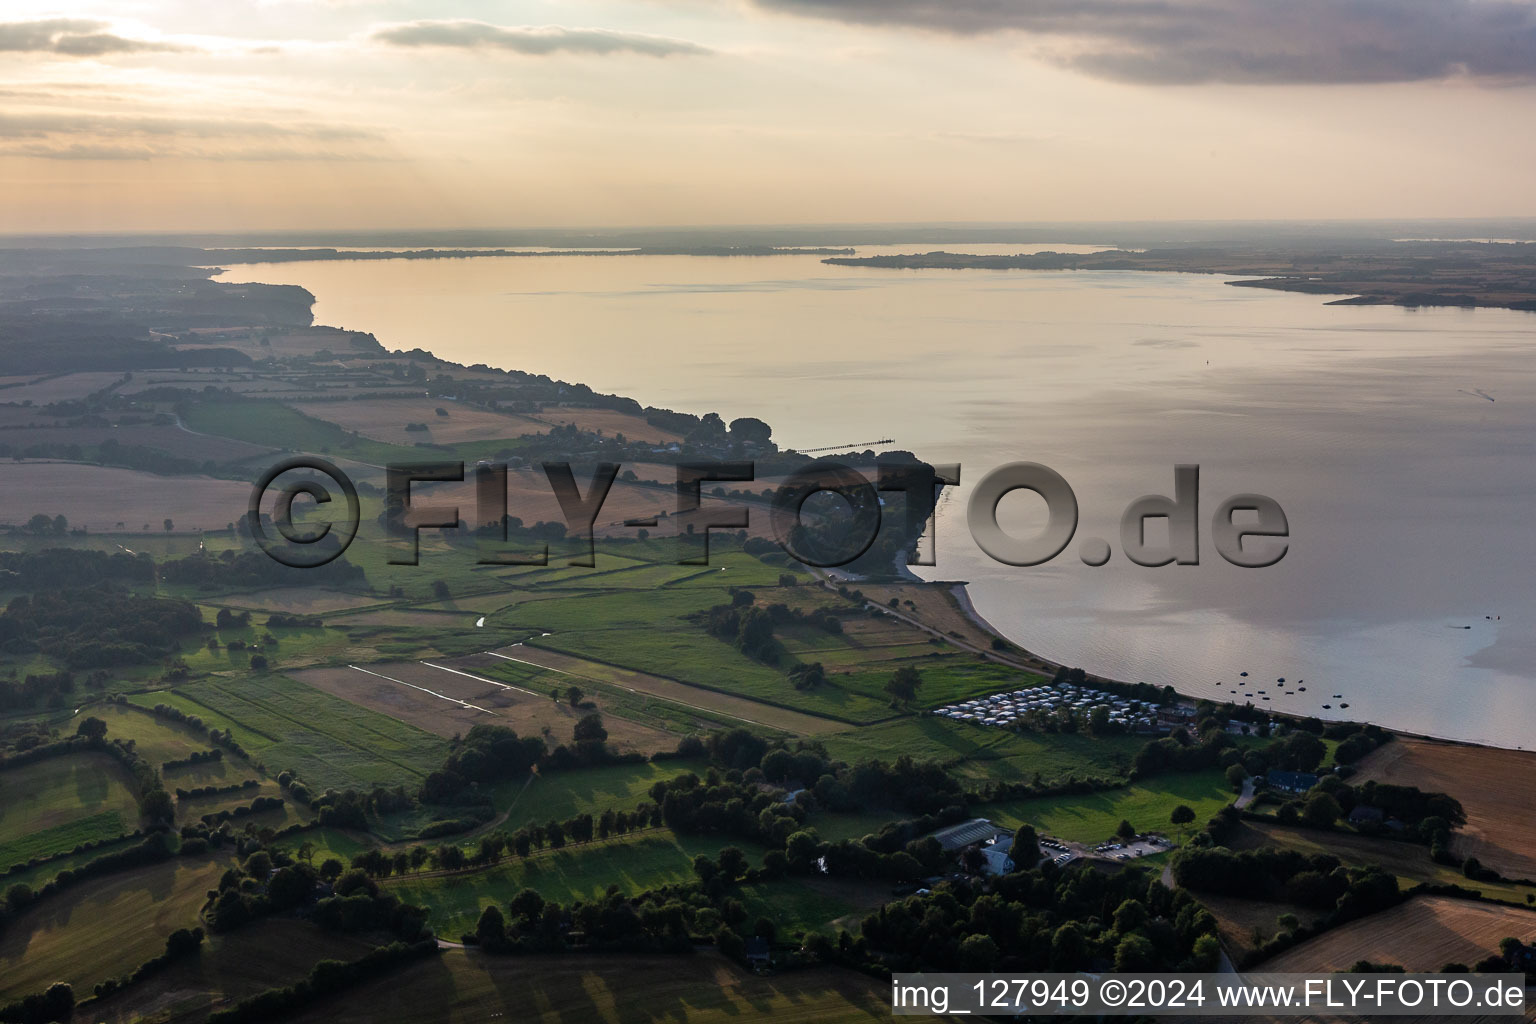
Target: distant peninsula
(1414,274)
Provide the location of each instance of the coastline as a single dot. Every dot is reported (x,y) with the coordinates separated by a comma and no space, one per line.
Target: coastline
(1030,660)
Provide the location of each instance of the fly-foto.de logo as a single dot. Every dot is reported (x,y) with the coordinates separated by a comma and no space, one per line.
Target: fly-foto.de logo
(1247,530)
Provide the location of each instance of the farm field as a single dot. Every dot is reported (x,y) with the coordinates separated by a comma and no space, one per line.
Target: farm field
(155,739)
(325,740)
(427,695)
(1501,809)
(650,634)
(300,600)
(948,675)
(43,873)
(633,863)
(561,795)
(1092,817)
(52,806)
(104,927)
(1410,862)
(140,500)
(459,988)
(1420,935)
(385,419)
(1239,920)
(609,421)
(271,953)
(740,709)
(981,752)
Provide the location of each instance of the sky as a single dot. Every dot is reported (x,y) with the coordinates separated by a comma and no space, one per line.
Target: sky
(183,115)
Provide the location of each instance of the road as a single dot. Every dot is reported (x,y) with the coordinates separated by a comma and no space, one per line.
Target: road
(1247,795)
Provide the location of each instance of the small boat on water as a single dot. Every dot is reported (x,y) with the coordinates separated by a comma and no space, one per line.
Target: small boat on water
(1343,705)
(1244,674)
(1327,707)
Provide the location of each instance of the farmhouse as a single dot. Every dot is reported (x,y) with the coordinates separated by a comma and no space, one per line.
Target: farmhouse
(1290,782)
(1362,814)
(958,837)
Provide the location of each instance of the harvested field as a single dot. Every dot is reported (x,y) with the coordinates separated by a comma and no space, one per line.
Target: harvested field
(458,987)
(739,708)
(609,421)
(105,927)
(1410,862)
(385,419)
(268,954)
(1494,786)
(60,389)
(398,689)
(101,497)
(1420,935)
(1238,920)
(168,438)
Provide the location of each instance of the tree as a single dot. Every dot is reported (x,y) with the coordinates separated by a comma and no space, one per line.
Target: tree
(1182,815)
(259,662)
(750,430)
(527,905)
(169,526)
(903,684)
(1320,810)
(590,729)
(1235,777)
(1135,953)
(1130,916)
(978,953)
(331,869)
(573,696)
(156,805)
(92,728)
(733,863)
(492,927)
(1125,830)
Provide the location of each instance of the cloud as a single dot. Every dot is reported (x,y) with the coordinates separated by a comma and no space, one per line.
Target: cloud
(532,40)
(75,37)
(71,136)
(1181,42)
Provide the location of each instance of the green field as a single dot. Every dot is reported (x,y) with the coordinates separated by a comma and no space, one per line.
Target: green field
(105,927)
(155,739)
(1092,817)
(327,741)
(979,752)
(561,795)
(42,874)
(634,864)
(949,675)
(793,906)
(649,630)
(52,806)
(460,987)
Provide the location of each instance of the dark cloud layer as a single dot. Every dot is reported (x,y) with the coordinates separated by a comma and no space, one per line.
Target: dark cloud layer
(1172,42)
(532,40)
(73,37)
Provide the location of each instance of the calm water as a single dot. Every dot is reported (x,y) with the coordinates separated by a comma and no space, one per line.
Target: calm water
(1410,499)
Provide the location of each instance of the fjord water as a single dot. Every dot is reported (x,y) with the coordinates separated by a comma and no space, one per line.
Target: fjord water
(1407,586)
